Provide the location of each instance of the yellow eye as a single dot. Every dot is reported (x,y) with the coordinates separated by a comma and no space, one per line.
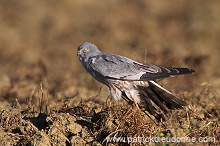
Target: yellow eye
(85,49)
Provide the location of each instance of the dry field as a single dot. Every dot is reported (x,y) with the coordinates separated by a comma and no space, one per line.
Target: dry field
(48,99)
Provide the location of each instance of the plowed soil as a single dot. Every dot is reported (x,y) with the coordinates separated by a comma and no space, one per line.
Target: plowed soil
(47,98)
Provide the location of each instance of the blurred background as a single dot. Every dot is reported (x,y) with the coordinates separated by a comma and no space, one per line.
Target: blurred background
(38,41)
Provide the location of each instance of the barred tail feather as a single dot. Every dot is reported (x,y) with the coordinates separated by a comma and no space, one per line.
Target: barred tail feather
(170,99)
(160,96)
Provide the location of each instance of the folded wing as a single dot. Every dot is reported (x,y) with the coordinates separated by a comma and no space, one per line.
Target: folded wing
(122,68)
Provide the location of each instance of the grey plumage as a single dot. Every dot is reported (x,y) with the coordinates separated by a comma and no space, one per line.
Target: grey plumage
(131,79)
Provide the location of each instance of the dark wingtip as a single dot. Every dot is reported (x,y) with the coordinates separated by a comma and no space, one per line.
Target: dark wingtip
(190,71)
(180,70)
(193,71)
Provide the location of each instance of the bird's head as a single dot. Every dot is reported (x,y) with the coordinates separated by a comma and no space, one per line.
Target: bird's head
(87,50)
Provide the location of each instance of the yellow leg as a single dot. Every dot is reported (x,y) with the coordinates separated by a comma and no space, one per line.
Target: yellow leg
(135,95)
(109,105)
(137,106)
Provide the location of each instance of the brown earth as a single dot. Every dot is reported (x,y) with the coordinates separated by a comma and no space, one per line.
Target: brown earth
(48,99)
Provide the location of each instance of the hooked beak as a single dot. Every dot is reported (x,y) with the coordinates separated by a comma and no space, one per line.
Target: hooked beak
(80,52)
(80,55)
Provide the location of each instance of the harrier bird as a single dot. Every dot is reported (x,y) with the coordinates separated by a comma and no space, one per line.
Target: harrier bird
(130,79)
